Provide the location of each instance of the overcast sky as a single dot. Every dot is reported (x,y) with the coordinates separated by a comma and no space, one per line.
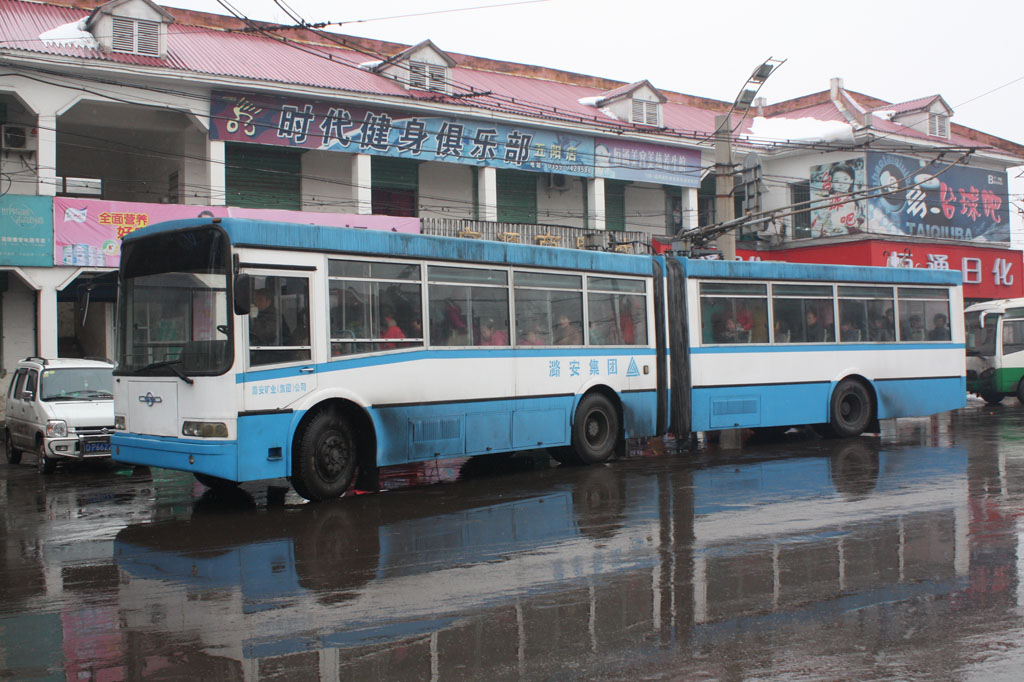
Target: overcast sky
(895,50)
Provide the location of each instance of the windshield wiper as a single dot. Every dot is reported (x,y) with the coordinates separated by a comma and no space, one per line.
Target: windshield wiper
(171,365)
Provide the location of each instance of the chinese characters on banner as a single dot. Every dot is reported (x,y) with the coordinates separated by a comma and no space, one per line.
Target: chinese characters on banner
(26,230)
(936,200)
(88,232)
(288,122)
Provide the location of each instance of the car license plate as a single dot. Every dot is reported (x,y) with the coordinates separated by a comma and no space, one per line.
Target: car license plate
(97,447)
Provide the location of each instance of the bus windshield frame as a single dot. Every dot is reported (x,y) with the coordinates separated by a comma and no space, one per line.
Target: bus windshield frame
(174,308)
(980,332)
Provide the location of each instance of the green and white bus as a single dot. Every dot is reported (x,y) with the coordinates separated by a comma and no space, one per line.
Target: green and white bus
(995,349)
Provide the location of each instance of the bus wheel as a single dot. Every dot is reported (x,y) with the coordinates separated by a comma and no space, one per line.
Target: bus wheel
(13,454)
(851,409)
(996,398)
(215,482)
(1020,391)
(324,460)
(595,429)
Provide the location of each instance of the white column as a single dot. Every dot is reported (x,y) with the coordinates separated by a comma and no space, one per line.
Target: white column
(487,193)
(690,217)
(362,184)
(216,171)
(46,156)
(595,204)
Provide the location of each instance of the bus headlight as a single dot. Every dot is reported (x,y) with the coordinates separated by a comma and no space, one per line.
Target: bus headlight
(205,429)
(55,428)
(119,422)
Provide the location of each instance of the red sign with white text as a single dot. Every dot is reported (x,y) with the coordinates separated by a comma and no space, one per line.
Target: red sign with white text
(988,272)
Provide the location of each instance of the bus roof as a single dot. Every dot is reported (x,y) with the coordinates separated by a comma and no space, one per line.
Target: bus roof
(779,270)
(999,304)
(304,237)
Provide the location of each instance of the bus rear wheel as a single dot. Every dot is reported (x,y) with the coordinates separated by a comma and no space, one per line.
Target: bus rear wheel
(595,431)
(851,409)
(324,460)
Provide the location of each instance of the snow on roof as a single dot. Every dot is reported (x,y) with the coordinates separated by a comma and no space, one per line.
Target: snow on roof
(767,130)
(72,34)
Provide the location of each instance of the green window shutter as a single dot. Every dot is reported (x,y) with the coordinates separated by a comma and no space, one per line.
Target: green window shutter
(395,185)
(615,205)
(517,196)
(263,177)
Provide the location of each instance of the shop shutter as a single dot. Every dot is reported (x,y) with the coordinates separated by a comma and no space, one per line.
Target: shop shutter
(396,184)
(517,196)
(263,177)
(615,205)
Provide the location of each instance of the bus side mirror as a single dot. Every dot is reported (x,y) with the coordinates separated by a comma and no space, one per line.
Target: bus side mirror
(242,292)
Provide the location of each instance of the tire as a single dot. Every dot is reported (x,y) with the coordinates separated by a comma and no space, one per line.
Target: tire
(1020,391)
(13,453)
(595,431)
(850,410)
(996,398)
(324,460)
(215,482)
(46,465)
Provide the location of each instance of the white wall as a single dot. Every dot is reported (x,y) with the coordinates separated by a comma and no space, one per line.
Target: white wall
(560,206)
(327,182)
(645,208)
(446,190)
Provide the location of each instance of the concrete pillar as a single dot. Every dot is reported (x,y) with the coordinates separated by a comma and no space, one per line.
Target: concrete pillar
(46,155)
(724,185)
(690,217)
(217,172)
(595,204)
(487,193)
(362,184)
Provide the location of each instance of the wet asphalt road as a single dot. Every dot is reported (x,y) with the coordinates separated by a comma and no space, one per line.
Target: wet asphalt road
(891,557)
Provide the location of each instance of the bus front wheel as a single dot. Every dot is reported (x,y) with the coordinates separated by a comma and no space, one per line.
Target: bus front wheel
(595,431)
(850,411)
(324,460)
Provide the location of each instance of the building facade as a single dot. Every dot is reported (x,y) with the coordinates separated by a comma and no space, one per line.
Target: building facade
(119,114)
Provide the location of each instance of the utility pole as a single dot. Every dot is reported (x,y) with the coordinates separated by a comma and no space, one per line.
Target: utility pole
(724,184)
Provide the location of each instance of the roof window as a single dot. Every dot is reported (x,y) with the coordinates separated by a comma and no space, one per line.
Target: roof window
(135,36)
(426,76)
(646,112)
(938,124)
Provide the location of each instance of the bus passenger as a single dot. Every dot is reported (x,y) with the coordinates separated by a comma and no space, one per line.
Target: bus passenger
(532,338)
(879,332)
(815,332)
(391,331)
(940,328)
(566,333)
(490,335)
(781,331)
(915,329)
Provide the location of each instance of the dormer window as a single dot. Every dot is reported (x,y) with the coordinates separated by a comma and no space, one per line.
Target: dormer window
(646,112)
(425,76)
(135,36)
(938,124)
(130,27)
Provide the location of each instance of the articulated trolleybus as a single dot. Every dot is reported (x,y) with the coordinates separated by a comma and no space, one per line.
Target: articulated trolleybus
(253,350)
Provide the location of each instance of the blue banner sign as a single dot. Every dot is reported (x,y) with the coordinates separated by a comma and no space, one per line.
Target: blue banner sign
(26,230)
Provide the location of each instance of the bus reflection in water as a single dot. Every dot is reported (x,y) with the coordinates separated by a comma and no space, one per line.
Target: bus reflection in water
(563,566)
(251,350)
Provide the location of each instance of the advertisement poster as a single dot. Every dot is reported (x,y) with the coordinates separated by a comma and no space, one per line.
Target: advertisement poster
(937,199)
(88,232)
(624,160)
(833,210)
(289,122)
(26,230)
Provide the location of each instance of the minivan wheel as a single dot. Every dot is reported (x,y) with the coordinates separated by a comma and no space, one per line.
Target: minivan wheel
(46,465)
(13,454)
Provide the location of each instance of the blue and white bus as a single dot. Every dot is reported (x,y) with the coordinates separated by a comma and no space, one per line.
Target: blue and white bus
(252,350)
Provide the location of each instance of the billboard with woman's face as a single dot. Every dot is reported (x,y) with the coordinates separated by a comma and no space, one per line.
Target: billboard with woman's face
(836,206)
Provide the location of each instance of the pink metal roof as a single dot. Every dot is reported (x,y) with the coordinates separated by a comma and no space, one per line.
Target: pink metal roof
(913,105)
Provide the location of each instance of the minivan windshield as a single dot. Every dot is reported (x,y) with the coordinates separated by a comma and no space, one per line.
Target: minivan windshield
(77,383)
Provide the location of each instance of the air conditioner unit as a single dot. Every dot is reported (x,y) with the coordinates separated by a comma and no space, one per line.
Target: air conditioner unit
(18,138)
(559,182)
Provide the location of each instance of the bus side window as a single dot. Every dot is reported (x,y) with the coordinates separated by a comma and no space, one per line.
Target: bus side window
(279,321)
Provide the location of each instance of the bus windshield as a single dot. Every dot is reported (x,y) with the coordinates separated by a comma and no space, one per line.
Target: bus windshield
(174,307)
(980,340)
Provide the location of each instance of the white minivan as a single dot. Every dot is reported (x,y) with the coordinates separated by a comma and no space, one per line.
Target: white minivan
(59,409)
